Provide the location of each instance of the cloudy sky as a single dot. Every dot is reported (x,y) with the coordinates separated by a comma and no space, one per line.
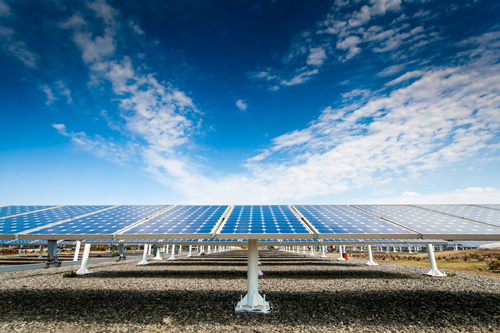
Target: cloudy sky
(249,102)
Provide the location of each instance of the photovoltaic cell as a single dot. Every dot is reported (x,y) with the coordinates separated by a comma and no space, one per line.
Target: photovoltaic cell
(486,215)
(429,223)
(278,219)
(103,223)
(181,220)
(331,220)
(21,223)
(15,210)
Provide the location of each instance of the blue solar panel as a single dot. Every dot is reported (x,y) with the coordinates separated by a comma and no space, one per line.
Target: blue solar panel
(15,210)
(331,220)
(106,222)
(486,215)
(22,223)
(181,220)
(263,220)
(428,222)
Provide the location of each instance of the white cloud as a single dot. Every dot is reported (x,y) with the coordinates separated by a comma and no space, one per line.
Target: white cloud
(435,121)
(104,11)
(4,9)
(316,57)
(95,48)
(58,87)
(300,78)
(469,195)
(75,21)
(240,104)
(50,95)
(135,28)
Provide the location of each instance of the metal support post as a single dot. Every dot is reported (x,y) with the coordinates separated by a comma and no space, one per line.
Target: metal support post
(85,259)
(20,253)
(370,257)
(172,257)
(190,254)
(157,253)
(432,260)
(144,260)
(253,302)
(121,251)
(323,249)
(341,256)
(52,254)
(77,250)
(312,251)
(40,255)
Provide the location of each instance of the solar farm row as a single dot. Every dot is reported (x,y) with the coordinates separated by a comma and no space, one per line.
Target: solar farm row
(299,222)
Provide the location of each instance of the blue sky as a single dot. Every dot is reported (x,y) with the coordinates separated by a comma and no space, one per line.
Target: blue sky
(249,102)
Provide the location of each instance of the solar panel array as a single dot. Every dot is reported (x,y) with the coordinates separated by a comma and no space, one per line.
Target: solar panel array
(431,224)
(181,220)
(270,224)
(101,224)
(262,222)
(15,210)
(343,220)
(22,223)
(485,215)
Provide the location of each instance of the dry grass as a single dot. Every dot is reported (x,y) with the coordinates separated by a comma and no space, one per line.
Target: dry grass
(468,261)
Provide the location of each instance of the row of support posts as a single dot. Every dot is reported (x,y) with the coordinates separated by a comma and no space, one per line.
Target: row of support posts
(434,271)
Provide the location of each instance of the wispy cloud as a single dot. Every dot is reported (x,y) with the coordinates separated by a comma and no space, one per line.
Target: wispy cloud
(240,104)
(58,87)
(4,9)
(469,195)
(346,34)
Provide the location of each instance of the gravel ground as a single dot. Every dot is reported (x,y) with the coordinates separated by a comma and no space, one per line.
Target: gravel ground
(199,294)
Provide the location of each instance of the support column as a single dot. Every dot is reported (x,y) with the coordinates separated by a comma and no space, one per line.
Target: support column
(121,251)
(40,255)
(323,248)
(144,260)
(172,257)
(52,253)
(432,260)
(370,257)
(20,253)
(341,257)
(312,251)
(201,248)
(209,249)
(253,302)
(157,254)
(77,250)
(149,248)
(190,254)
(85,259)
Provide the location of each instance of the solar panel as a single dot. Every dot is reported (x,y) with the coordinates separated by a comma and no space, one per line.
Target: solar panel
(491,206)
(16,224)
(485,215)
(180,220)
(101,225)
(432,224)
(254,222)
(346,222)
(16,210)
